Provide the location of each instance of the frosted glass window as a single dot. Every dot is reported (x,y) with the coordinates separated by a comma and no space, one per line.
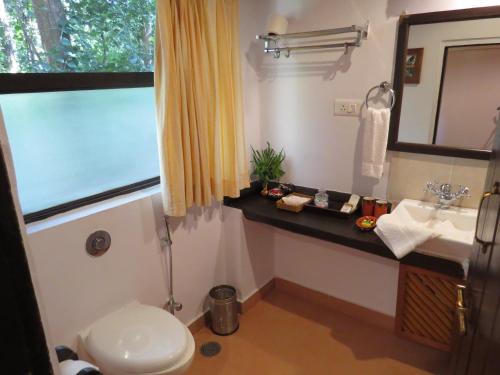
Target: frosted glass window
(74,144)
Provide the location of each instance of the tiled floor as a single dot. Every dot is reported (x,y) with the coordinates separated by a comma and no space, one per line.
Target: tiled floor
(282,336)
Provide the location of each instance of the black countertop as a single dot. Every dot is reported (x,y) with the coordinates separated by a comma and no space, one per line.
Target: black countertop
(333,229)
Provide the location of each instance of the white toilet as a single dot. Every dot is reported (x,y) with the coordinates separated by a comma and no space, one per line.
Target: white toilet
(139,340)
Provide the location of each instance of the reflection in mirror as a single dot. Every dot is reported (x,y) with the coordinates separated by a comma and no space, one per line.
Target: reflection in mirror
(452,79)
(469,97)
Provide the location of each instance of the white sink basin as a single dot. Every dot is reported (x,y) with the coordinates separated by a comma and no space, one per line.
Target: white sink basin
(455,227)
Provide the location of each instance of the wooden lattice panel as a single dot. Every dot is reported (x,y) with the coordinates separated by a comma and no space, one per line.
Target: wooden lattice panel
(426,307)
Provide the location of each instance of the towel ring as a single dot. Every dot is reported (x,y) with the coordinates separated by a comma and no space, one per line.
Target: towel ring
(386,88)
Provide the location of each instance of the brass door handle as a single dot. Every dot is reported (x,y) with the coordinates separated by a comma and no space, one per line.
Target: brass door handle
(462,321)
(461,311)
(494,191)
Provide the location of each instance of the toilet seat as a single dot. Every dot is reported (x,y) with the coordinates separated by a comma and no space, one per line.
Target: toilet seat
(139,339)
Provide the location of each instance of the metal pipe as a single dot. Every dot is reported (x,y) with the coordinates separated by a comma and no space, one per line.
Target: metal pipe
(172,306)
(273,48)
(319,46)
(316,33)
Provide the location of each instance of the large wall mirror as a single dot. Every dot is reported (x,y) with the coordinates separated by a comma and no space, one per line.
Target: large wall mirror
(447,82)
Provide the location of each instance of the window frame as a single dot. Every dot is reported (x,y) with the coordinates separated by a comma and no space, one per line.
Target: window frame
(19,83)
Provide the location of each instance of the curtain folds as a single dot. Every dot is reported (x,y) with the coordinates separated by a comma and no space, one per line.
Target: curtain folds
(198,103)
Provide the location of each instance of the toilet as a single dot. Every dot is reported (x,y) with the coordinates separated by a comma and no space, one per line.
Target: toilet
(139,340)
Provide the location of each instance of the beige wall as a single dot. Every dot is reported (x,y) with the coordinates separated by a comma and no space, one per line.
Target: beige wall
(472,77)
(410,172)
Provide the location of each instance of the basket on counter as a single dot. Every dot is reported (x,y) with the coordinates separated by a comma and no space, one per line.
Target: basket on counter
(283,206)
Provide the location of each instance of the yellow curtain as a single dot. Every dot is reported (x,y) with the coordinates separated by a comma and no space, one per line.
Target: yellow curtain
(198,102)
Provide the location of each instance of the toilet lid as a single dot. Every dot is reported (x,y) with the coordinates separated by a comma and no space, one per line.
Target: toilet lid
(137,339)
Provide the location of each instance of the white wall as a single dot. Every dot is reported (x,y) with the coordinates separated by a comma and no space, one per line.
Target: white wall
(296,113)
(251,22)
(288,102)
(211,246)
(77,289)
(360,278)
(249,252)
(297,94)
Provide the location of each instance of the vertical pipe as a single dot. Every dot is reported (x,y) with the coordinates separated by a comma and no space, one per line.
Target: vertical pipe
(172,306)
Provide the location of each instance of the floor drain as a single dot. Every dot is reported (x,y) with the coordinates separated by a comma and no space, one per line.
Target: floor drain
(210,349)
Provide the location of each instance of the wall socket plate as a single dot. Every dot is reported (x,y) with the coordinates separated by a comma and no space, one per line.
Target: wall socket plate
(347,107)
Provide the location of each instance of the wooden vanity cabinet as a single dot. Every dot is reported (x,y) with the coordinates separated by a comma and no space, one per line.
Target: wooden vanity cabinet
(426,307)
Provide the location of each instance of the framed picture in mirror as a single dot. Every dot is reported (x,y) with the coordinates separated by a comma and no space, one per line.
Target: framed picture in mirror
(413,65)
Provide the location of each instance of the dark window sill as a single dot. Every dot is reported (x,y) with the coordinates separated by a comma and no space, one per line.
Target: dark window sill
(65,207)
(46,82)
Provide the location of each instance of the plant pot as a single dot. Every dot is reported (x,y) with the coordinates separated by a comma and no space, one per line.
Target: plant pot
(264,190)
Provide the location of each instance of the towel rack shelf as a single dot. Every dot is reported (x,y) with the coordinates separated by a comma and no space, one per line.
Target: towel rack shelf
(271,41)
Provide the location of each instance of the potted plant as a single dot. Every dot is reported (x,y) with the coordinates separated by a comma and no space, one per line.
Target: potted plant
(267,164)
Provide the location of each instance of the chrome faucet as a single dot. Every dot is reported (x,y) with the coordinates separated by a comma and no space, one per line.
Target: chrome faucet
(444,194)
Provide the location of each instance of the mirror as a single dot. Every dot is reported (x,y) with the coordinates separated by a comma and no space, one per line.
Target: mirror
(447,82)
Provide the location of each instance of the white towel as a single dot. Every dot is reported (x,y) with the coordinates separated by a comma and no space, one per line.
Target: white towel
(399,237)
(375,141)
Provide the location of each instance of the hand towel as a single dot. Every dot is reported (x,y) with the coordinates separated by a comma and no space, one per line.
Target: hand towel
(399,237)
(375,142)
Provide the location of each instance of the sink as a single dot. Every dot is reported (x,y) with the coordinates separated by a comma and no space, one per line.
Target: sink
(455,227)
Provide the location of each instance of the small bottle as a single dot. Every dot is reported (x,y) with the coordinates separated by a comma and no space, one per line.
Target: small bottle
(321,199)
(368,206)
(381,208)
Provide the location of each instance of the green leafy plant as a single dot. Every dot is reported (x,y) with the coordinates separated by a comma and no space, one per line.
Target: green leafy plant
(40,36)
(267,164)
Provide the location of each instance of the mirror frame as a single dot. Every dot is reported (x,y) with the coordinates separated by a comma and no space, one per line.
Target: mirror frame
(405,21)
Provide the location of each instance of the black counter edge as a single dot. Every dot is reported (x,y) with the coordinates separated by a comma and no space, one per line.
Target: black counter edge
(415,259)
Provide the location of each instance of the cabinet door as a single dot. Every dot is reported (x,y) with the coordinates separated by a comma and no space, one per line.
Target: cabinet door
(426,307)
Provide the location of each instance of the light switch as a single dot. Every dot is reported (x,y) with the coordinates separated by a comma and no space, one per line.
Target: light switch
(347,107)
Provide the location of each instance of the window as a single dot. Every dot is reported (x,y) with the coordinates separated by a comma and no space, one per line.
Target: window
(77,98)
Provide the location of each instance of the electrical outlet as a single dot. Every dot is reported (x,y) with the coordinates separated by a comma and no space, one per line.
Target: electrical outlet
(347,107)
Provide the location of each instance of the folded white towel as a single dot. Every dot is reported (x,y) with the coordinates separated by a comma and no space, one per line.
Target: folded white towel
(375,141)
(399,237)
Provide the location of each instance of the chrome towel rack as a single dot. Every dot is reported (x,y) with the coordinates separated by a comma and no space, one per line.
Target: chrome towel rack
(386,88)
(271,41)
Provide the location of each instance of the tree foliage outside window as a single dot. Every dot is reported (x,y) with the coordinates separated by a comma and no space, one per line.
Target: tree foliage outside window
(51,36)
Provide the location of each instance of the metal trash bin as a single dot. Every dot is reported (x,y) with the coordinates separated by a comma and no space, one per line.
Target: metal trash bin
(223,310)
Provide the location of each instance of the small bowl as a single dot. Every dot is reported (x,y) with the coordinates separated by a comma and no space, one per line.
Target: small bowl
(275,194)
(366,223)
